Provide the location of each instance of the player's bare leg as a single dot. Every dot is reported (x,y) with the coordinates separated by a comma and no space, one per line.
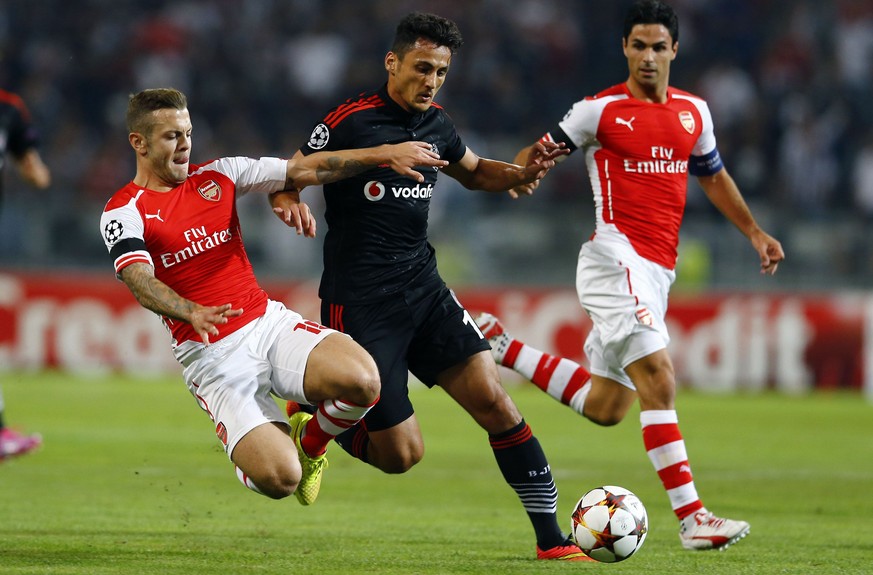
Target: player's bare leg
(608,401)
(599,399)
(396,449)
(267,461)
(699,529)
(475,385)
(342,380)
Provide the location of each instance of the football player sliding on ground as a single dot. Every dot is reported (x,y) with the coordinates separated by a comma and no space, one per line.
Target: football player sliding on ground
(173,235)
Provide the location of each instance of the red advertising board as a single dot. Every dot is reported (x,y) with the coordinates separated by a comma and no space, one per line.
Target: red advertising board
(789,342)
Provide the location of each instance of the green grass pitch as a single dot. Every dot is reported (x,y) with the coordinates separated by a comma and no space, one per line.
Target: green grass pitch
(131,481)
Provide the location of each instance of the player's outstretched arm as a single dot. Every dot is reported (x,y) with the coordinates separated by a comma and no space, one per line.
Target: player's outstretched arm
(532,152)
(477,173)
(724,194)
(155,295)
(327,167)
(526,189)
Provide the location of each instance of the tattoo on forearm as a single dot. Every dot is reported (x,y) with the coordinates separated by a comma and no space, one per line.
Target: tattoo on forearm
(154,294)
(335,168)
(328,167)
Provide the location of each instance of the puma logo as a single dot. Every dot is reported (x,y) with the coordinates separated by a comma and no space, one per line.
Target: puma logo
(156,216)
(628,123)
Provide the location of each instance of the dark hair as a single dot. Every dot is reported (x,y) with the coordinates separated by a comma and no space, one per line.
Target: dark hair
(142,104)
(441,31)
(652,12)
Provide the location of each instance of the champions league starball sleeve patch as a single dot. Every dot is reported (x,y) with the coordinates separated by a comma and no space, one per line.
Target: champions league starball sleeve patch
(319,137)
(112,231)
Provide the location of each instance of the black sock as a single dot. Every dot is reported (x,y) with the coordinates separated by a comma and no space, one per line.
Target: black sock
(525,468)
(355,441)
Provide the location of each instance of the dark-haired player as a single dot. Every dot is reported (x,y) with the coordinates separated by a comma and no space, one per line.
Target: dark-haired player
(640,140)
(381,284)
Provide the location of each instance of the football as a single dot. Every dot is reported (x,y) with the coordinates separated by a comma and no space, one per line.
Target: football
(609,523)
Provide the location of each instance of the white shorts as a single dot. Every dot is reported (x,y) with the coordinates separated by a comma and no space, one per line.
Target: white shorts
(235,378)
(626,297)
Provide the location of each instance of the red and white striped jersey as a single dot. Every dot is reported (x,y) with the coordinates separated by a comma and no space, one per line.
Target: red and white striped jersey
(639,155)
(191,235)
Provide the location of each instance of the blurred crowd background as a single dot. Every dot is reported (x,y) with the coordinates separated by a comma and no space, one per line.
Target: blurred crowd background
(790,85)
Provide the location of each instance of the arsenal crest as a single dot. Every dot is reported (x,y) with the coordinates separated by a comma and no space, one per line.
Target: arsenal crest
(210,191)
(686,118)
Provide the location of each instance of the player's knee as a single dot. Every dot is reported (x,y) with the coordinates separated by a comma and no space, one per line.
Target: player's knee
(363,383)
(399,460)
(605,414)
(495,412)
(604,419)
(370,382)
(278,482)
(399,465)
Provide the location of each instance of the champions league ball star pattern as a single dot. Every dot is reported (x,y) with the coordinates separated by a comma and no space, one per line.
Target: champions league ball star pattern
(112,232)
(319,137)
(609,523)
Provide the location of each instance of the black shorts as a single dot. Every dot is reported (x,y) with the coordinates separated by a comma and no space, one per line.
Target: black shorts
(424,330)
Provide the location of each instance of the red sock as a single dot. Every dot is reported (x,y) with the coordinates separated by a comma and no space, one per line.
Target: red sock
(564,380)
(332,418)
(666,450)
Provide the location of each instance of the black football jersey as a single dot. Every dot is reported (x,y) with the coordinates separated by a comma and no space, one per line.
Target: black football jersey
(376,243)
(17,134)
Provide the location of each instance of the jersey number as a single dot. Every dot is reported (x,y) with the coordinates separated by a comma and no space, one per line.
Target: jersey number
(310,326)
(471,322)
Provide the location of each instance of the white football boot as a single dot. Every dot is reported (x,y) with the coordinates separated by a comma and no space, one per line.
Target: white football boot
(703,530)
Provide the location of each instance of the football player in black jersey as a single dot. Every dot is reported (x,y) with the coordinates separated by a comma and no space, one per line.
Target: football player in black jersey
(381,285)
(19,142)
